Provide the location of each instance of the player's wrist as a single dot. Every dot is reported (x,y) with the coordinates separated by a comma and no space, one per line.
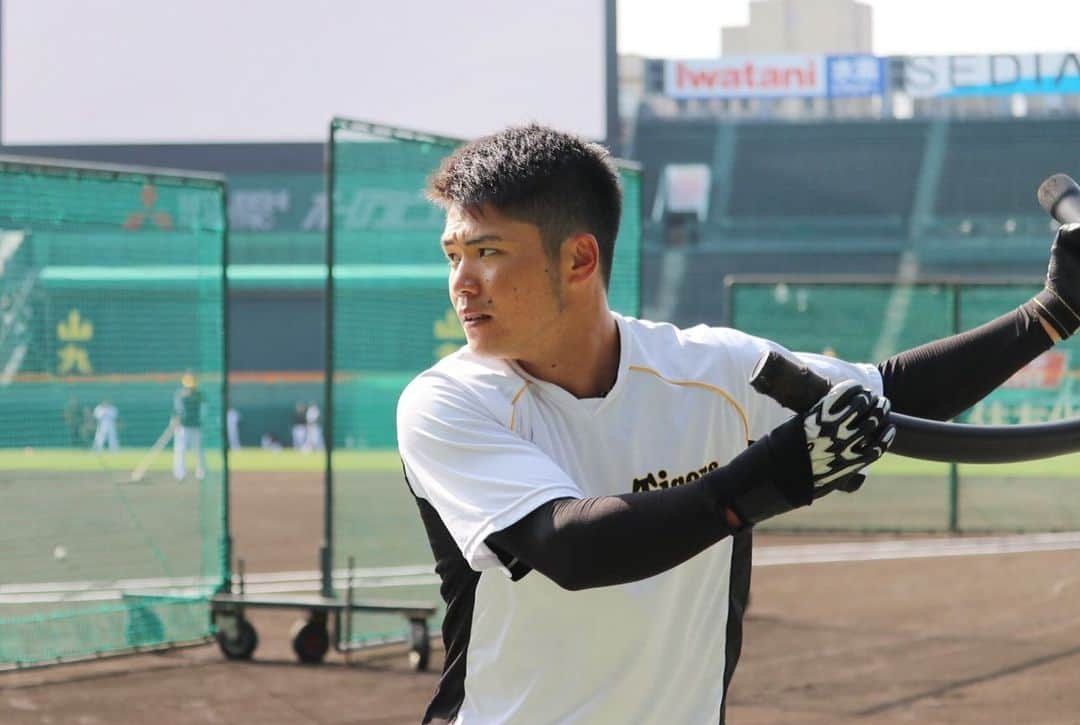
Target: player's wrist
(1058,317)
(770,477)
(1058,304)
(1049,329)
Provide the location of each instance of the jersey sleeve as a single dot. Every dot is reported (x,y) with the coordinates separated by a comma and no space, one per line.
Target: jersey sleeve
(479,475)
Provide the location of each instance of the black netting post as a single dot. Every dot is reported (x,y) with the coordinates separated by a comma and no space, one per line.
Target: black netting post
(326,553)
(226,510)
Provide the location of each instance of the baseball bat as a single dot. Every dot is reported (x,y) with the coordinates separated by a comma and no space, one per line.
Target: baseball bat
(1060,197)
(159,444)
(797,387)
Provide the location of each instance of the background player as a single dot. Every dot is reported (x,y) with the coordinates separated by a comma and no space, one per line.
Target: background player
(106,415)
(589,482)
(188,409)
(299,426)
(232,428)
(313,437)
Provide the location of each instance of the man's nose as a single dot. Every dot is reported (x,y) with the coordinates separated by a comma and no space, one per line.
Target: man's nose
(464,279)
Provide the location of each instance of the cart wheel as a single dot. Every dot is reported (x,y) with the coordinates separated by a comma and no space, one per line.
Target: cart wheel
(310,640)
(419,645)
(239,643)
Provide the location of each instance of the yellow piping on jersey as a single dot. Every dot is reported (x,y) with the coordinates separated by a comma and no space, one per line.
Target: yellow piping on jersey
(698,384)
(513,403)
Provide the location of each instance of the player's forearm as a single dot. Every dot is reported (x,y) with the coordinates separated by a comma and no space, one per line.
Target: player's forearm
(941,379)
(594,542)
(606,540)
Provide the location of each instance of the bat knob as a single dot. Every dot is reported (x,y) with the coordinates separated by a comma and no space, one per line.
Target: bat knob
(790,383)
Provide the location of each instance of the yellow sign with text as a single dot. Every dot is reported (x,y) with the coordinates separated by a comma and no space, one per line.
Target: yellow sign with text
(73,356)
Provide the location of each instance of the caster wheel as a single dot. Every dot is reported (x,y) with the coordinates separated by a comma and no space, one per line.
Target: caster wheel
(419,645)
(238,639)
(310,640)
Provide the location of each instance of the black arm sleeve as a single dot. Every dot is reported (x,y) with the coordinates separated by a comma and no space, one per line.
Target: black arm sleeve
(594,542)
(941,379)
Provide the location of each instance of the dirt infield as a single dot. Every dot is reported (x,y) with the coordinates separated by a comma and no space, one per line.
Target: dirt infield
(993,638)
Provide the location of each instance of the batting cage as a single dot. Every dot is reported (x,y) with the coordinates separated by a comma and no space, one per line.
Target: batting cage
(870,320)
(390,318)
(112,295)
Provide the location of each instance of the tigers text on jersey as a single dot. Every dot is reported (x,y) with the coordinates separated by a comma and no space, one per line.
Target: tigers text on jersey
(484,444)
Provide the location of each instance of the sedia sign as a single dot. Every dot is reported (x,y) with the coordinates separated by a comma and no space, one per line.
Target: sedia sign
(990,75)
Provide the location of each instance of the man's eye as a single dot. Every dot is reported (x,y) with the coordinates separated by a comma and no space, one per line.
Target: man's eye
(487,251)
(452,259)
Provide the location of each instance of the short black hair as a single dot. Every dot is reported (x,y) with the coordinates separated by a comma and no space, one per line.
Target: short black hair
(555,180)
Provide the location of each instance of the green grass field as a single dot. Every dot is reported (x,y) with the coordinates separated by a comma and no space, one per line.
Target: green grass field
(246,460)
(110,530)
(372,506)
(257,460)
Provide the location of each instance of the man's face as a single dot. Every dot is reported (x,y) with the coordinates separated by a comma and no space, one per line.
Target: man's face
(502,284)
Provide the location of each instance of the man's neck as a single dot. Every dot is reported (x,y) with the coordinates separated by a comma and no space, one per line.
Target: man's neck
(586,361)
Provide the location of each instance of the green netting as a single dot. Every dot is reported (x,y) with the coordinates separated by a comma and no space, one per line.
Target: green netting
(111,288)
(392,319)
(870,322)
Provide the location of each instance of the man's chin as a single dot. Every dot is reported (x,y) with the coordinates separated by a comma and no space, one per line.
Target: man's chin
(484,347)
(478,346)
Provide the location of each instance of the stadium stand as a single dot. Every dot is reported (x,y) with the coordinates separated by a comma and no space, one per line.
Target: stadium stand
(985,217)
(906,199)
(813,180)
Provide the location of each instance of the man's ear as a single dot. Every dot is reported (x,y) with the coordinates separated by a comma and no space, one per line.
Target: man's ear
(581,255)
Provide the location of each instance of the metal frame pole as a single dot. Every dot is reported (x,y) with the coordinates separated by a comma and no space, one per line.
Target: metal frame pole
(612,121)
(226,509)
(954,469)
(640,218)
(1,70)
(326,551)
(729,301)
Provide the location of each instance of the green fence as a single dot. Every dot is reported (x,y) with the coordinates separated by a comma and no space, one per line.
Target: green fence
(872,320)
(111,289)
(391,319)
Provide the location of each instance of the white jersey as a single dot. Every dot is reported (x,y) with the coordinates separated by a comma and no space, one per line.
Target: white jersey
(484,444)
(106,415)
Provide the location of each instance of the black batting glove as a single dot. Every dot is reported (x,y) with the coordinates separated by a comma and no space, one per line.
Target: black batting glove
(812,454)
(1059,302)
(846,431)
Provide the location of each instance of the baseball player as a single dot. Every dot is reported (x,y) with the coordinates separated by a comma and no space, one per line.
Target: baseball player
(232,428)
(188,412)
(589,482)
(313,438)
(299,426)
(106,414)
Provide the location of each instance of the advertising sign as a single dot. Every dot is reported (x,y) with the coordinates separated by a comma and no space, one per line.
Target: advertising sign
(990,75)
(752,76)
(855,75)
(776,76)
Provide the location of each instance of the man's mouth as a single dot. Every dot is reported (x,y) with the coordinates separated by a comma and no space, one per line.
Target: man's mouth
(474,318)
